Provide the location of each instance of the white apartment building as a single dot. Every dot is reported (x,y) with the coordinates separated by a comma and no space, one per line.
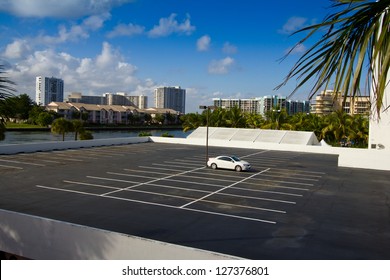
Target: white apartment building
(170,98)
(119,98)
(48,90)
(250,105)
(326,103)
(261,105)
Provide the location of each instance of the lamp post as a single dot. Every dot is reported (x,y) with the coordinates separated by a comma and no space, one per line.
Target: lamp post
(207,128)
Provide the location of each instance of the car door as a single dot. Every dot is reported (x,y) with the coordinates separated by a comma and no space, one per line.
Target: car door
(226,162)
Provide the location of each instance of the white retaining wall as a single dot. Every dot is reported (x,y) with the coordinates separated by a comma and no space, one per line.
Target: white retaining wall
(347,157)
(45,239)
(63,145)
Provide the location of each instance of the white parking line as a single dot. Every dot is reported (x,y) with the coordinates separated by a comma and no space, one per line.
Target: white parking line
(158,179)
(22,162)
(285,182)
(10,166)
(289,177)
(172,180)
(202,198)
(160,205)
(206,184)
(271,192)
(258,198)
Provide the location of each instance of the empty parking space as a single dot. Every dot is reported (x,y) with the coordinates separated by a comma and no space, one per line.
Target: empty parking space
(264,194)
(289,206)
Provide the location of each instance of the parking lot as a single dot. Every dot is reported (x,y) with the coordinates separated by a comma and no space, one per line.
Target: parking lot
(289,206)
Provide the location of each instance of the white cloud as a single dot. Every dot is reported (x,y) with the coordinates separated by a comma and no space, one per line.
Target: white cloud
(221,66)
(75,32)
(298,49)
(293,24)
(170,25)
(17,49)
(203,43)
(59,9)
(229,48)
(126,30)
(107,72)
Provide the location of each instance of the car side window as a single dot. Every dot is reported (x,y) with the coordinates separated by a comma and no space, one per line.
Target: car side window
(224,158)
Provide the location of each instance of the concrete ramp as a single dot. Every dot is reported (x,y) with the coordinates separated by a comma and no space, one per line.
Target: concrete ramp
(256,135)
(270,136)
(245,135)
(300,138)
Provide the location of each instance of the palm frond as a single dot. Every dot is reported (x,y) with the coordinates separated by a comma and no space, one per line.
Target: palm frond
(356,41)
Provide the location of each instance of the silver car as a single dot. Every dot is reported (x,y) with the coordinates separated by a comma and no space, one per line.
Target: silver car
(228,162)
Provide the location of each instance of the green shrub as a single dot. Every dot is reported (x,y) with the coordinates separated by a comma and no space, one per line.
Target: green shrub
(144,134)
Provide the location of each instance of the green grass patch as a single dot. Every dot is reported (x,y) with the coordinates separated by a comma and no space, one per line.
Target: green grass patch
(22,125)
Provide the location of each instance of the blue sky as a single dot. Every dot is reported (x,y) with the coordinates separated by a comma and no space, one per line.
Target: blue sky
(227,49)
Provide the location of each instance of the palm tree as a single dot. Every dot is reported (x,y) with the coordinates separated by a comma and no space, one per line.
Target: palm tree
(217,118)
(277,119)
(61,126)
(235,118)
(6,91)
(254,120)
(337,126)
(191,121)
(78,128)
(357,36)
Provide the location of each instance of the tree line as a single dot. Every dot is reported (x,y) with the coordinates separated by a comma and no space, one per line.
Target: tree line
(337,128)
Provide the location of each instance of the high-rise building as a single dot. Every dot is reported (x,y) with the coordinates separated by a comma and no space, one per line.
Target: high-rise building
(261,105)
(170,98)
(48,90)
(250,105)
(326,102)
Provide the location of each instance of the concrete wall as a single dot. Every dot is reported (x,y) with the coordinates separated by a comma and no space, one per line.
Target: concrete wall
(379,133)
(63,145)
(45,239)
(347,157)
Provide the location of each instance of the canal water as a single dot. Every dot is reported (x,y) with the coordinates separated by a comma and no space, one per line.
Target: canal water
(20,137)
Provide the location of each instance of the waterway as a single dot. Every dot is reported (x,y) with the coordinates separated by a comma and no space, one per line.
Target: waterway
(20,137)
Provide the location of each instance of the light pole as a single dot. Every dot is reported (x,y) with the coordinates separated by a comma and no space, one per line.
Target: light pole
(207,128)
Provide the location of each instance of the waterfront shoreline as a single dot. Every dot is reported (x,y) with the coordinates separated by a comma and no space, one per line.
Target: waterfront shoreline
(103,128)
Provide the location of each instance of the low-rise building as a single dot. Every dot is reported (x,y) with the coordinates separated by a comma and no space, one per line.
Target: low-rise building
(105,114)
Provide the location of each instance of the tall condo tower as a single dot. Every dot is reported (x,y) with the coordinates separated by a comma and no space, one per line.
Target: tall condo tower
(170,98)
(48,90)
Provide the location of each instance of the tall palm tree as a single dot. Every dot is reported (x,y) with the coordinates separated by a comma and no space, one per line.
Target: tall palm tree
(6,91)
(277,119)
(62,126)
(235,118)
(355,44)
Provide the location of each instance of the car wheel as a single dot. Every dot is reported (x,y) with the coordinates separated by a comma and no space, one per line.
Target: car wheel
(213,166)
(238,168)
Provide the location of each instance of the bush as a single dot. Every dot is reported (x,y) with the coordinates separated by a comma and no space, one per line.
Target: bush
(86,135)
(166,134)
(144,134)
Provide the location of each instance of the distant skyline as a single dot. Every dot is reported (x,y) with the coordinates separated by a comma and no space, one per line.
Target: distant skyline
(213,49)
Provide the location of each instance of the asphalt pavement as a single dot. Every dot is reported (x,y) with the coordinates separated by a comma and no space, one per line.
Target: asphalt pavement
(289,206)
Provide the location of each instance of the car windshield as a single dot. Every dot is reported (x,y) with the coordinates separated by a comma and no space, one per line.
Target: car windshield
(235,158)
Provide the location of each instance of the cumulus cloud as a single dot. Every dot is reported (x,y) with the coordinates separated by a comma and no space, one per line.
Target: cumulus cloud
(17,49)
(298,49)
(107,72)
(229,48)
(59,9)
(293,24)
(221,66)
(203,43)
(76,31)
(170,25)
(126,30)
